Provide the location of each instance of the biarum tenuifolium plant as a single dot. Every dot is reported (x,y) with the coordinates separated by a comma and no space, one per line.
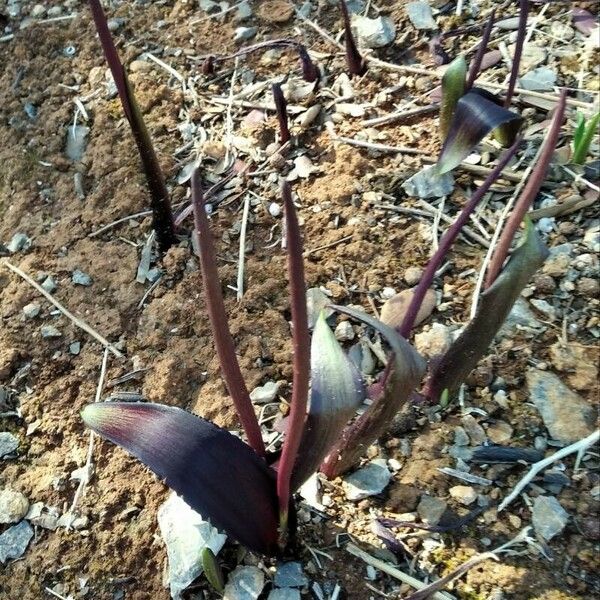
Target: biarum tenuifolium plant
(582,139)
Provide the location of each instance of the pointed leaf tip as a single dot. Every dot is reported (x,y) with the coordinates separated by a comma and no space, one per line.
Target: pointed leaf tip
(213,471)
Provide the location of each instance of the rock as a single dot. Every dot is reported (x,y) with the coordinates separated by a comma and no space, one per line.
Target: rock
(374,33)
(31,310)
(344,331)
(403,498)
(420,15)
(460,436)
(499,432)
(243,34)
(185,534)
(244,583)
(43,516)
(243,12)
(209,6)
(116,23)
(49,331)
(284,594)
(13,506)
(394,310)
(8,443)
(38,11)
(49,284)
(431,509)
(55,11)
(274,209)
(265,393)
(428,183)
(591,238)
(464,494)
(140,66)
(413,275)
(559,260)
(317,301)
(572,358)
(545,308)
(567,417)
(275,11)
(520,318)
(76,141)
(548,516)
(509,24)
(588,287)
(434,341)
(532,56)
(368,481)
(14,541)
(474,430)
(75,348)
(289,575)
(80,278)
(541,79)
(19,242)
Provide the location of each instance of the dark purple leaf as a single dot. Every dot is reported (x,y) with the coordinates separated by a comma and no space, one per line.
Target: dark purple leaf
(494,305)
(337,390)
(505,454)
(477,114)
(406,369)
(584,20)
(281,110)
(213,471)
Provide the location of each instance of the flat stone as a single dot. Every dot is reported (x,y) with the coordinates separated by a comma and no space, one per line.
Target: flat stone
(75,348)
(243,34)
(420,15)
(541,79)
(31,310)
(368,481)
(474,430)
(566,415)
(14,541)
(49,284)
(78,277)
(520,318)
(49,331)
(428,183)
(19,243)
(76,141)
(591,238)
(265,393)
(434,341)
(38,11)
(284,594)
(43,516)
(8,443)
(289,575)
(464,494)
(13,506)
(185,534)
(431,509)
(344,331)
(244,583)
(548,516)
(243,12)
(394,310)
(500,432)
(374,33)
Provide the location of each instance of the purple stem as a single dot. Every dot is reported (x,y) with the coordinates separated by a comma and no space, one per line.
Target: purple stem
(530,191)
(301,345)
(281,109)
(519,44)
(448,239)
(354,61)
(230,368)
(481,50)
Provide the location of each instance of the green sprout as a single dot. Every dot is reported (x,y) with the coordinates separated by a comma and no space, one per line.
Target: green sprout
(584,132)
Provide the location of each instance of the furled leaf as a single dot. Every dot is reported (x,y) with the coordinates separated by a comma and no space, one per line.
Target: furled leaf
(477,114)
(453,87)
(406,369)
(579,131)
(336,392)
(212,470)
(582,140)
(494,306)
(212,570)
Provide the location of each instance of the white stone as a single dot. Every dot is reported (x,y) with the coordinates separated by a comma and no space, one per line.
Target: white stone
(13,506)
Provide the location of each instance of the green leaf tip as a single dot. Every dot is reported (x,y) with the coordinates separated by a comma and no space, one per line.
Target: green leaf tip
(212,570)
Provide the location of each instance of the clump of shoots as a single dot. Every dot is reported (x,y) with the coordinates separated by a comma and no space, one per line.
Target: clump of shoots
(354,61)
(583,136)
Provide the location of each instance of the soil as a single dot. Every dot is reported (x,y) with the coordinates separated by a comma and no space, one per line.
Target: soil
(116,552)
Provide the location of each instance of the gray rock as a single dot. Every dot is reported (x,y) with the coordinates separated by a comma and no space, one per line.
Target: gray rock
(317,301)
(434,341)
(265,393)
(559,260)
(243,34)
(368,481)
(545,307)
(532,55)
(13,506)
(209,6)
(43,516)
(244,11)
(289,575)
(591,238)
(344,331)
(55,11)
(31,310)
(509,24)
(19,243)
(520,318)
(244,583)
(76,141)
(431,509)
(8,443)
(541,79)
(420,15)
(30,110)
(427,183)
(78,277)
(548,516)
(154,274)
(374,33)
(460,436)
(474,430)
(284,594)
(49,331)
(566,415)
(49,284)
(75,348)
(14,541)
(185,534)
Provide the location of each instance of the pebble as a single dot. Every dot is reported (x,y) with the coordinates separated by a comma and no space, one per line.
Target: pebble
(509,24)
(464,494)
(420,15)
(244,11)
(76,141)
(520,318)
(499,432)
(474,430)
(591,238)
(8,443)
(49,331)
(244,583)
(140,66)
(274,210)
(55,11)
(394,310)
(545,307)
(460,436)
(413,275)
(80,278)
(431,509)
(289,575)
(75,348)
(567,417)
(367,481)
(116,23)
(374,33)
(185,534)
(428,183)
(49,284)
(243,34)
(14,541)
(263,394)
(284,594)
(19,242)
(548,516)
(541,79)
(589,287)
(344,331)
(13,506)
(43,516)
(38,11)
(31,310)
(435,341)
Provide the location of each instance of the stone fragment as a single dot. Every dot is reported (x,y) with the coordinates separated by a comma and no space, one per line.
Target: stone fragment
(582,373)
(49,284)
(244,583)
(49,331)
(13,506)
(374,33)
(14,541)
(548,516)
(76,141)
(413,275)
(474,430)
(431,509)
(284,594)
(8,443)
(367,481)
(433,342)
(243,34)
(78,277)
(464,494)
(289,575)
(420,15)
(19,242)
(541,79)
(31,310)
(265,393)
(344,331)
(428,183)
(394,310)
(500,432)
